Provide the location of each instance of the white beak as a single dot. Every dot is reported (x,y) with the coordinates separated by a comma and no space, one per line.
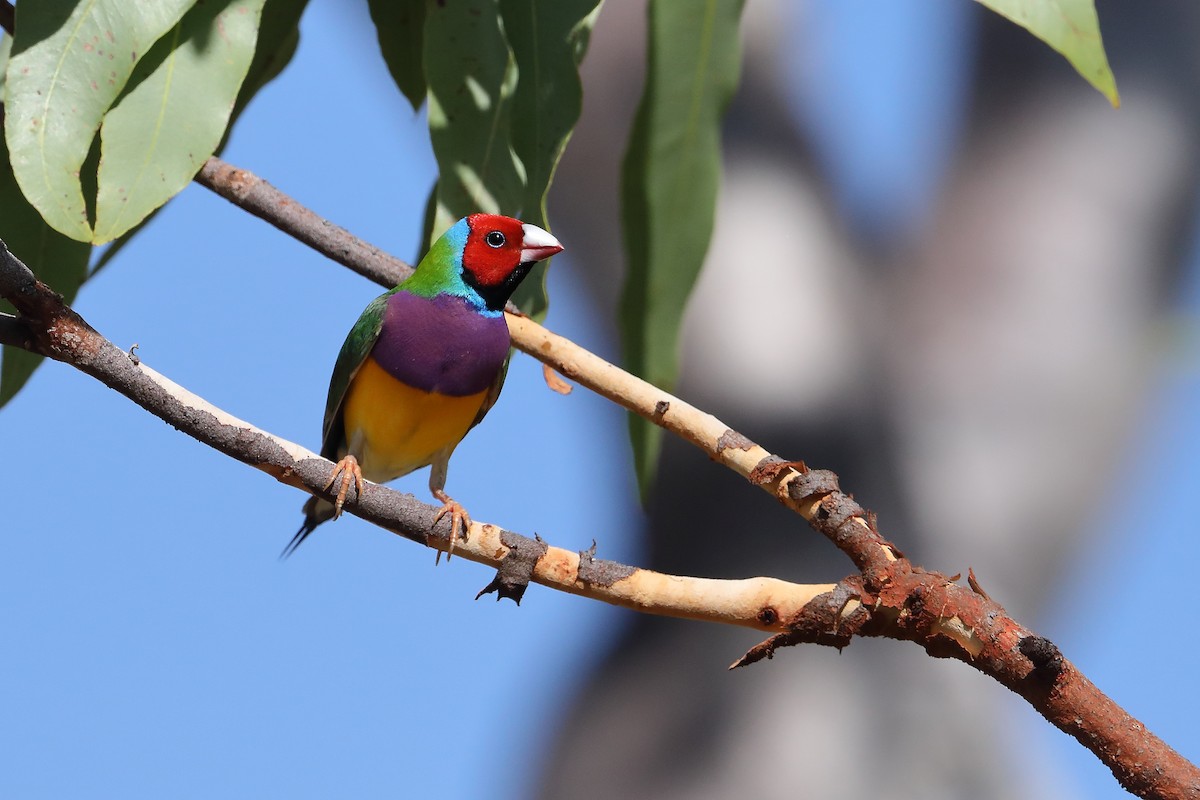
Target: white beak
(537,244)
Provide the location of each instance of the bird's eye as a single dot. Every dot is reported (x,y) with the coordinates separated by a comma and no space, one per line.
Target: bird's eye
(495,239)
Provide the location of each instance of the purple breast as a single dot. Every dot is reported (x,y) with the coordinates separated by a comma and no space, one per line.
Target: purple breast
(440,344)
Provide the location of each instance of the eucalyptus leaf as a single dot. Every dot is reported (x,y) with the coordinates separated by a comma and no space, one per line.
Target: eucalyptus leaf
(1072,28)
(278,37)
(471,75)
(669,186)
(400,25)
(548,39)
(157,137)
(70,61)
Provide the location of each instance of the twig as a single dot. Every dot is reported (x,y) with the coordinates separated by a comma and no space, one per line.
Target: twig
(7,16)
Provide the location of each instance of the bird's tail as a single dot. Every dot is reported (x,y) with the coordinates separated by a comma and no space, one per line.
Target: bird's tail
(316,511)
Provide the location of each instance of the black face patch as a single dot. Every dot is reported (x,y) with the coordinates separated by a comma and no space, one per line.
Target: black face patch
(494,297)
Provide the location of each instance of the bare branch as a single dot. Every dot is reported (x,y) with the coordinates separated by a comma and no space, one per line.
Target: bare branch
(7,14)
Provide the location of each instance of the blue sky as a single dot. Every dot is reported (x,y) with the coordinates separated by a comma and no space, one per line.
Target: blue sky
(154,646)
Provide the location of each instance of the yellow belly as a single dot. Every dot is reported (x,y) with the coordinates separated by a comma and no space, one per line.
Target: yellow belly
(394,429)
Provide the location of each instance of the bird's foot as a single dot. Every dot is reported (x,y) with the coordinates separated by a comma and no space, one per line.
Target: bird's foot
(460,520)
(348,471)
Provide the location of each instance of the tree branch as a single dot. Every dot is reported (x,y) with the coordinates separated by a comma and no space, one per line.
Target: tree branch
(7,16)
(890,597)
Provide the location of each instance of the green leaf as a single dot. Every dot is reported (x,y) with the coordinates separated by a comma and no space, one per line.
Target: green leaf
(161,132)
(548,39)
(70,61)
(58,260)
(400,25)
(1070,27)
(669,185)
(504,95)
(278,37)
(471,76)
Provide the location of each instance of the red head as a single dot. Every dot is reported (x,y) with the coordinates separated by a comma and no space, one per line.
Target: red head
(497,247)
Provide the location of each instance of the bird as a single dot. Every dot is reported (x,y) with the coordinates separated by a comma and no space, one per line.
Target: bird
(423,364)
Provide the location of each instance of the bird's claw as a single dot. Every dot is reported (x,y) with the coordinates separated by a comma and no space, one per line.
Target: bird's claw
(460,520)
(349,471)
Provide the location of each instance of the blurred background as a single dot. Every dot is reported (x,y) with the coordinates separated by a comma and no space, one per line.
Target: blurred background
(944,267)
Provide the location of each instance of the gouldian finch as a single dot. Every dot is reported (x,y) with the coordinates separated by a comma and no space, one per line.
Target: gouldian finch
(424,364)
